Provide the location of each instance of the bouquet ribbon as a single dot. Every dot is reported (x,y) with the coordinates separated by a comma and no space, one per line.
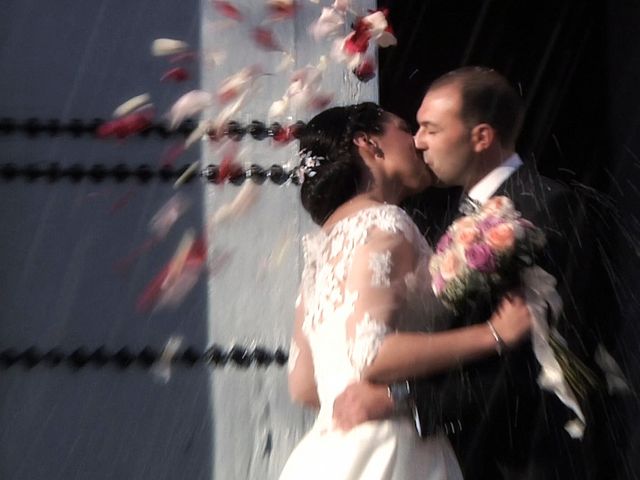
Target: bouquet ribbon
(542,297)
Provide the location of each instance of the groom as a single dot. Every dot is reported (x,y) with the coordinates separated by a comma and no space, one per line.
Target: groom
(499,421)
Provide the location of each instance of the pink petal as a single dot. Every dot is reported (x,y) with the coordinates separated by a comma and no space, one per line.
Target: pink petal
(227,9)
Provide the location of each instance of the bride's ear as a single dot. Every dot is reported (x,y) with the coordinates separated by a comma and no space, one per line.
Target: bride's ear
(363,141)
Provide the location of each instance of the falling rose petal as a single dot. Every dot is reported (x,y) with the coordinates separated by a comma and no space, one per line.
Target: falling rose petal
(379,28)
(177,278)
(238,83)
(341,5)
(161,369)
(171,155)
(281,9)
(178,74)
(128,125)
(286,62)
(177,263)
(366,70)
(330,23)
(188,105)
(320,101)
(184,57)
(219,260)
(340,55)
(168,215)
(278,108)
(132,105)
(243,201)
(226,114)
(125,263)
(198,133)
(216,57)
(168,46)
(358,40)
(386,39)
(265,39)
(122,202)
(188,173)
(228,167)
(228,10)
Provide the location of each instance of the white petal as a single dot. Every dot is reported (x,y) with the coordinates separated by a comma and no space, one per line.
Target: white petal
(197,133)
(167,46)
(189,104)
(131,105)
(386,39)
(278,108)
(246,197)
(331,22)
(378,23)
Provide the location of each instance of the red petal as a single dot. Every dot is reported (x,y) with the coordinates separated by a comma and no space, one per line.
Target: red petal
(365,71)
(227,9)
(265,39)
(127,125)
(178,74)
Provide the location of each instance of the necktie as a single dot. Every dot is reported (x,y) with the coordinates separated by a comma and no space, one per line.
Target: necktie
(468,205)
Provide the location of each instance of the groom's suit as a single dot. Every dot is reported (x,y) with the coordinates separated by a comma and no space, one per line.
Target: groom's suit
(504,425)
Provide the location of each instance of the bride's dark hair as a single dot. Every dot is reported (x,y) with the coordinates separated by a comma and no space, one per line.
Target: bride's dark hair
(334,170)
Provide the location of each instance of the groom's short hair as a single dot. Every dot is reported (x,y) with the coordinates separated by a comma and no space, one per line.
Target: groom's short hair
(487,97)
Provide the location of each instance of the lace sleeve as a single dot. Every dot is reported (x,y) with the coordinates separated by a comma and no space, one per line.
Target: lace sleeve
(302,383)
(375,291)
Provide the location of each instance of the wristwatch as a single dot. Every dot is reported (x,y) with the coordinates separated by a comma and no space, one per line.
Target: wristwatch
(404,402)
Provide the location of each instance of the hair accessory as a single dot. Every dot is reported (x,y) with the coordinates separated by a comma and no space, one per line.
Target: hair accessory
(308,164)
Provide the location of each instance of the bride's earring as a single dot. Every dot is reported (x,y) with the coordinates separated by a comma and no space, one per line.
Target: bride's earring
(377,151)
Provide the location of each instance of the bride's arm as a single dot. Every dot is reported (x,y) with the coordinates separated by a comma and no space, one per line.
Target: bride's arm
(302,384)
(406,355)
(377,279)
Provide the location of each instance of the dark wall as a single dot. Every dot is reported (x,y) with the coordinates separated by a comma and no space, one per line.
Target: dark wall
(577,65)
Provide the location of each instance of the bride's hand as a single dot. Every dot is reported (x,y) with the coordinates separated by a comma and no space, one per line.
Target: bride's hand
(512,320)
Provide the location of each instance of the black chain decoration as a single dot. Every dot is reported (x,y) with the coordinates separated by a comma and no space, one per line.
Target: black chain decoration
(54,172)
(215,356)
(33,127)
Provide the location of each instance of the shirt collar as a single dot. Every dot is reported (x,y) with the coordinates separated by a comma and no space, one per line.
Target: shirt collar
(485,188)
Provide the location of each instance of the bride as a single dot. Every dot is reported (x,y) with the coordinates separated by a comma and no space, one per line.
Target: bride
(365,295)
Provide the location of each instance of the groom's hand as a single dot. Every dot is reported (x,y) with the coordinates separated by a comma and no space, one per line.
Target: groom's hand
(361,402)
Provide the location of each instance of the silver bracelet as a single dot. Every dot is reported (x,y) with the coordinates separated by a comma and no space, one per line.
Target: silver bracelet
(500,345)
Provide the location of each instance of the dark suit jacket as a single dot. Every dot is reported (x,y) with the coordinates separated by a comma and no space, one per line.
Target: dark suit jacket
(505,426)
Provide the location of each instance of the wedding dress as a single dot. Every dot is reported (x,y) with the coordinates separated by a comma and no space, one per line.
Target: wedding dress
(367,276)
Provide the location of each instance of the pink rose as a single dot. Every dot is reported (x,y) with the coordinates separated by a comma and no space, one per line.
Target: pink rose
(479,257)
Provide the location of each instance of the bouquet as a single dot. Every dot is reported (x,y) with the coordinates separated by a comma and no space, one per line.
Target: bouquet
(481,257)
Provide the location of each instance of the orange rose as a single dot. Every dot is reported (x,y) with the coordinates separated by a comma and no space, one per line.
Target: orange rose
(466,236)
(501,237)
(451,265)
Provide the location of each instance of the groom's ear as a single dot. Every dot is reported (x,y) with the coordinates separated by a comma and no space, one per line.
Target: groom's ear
(482,137)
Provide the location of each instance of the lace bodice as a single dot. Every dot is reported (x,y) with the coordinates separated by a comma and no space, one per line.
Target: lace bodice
(366,277)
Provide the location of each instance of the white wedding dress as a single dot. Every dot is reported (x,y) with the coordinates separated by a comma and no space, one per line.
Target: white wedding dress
(366,277)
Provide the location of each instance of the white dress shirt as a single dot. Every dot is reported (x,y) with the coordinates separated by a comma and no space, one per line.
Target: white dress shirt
(490,183)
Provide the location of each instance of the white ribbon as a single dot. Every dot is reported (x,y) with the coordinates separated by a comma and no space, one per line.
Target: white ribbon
(541,294)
